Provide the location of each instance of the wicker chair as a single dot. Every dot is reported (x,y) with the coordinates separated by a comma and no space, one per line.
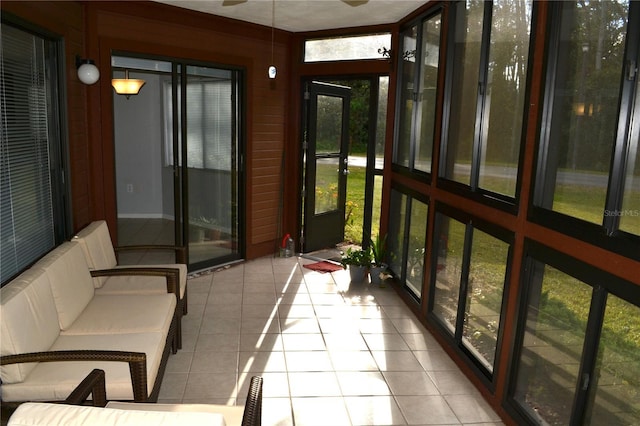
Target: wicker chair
(94,385)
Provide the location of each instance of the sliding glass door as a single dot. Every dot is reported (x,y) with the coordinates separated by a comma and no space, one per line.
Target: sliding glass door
(178,158)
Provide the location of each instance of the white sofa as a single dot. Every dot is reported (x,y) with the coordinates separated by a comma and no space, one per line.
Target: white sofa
(136,414)
(100,254)
(55,328)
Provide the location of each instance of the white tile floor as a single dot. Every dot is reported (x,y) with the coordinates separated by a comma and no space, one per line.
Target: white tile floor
(328,356)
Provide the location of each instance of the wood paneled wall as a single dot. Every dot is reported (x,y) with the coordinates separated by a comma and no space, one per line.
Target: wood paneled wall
(155,29)
(66,20)
(96,29)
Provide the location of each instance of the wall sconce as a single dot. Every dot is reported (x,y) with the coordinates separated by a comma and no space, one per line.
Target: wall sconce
(88,73)
(127,86)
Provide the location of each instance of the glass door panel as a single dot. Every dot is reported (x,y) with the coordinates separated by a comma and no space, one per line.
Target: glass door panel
(210,144)
(327,179)
(144,161)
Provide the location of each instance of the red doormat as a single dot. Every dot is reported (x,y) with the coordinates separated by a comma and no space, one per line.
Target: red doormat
(323,267)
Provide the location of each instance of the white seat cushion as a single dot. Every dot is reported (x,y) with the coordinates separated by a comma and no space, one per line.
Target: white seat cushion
(43,414)
(117,314)
(54,381)
(132,284)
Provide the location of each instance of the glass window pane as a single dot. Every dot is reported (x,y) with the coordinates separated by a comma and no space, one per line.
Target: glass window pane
(630,215)
(377,205)
(327,175)
(590,62)
(395,239)
(428,93)
(407,88)
(346,48)
(381,123)
(557,310)
(417,244)
(505,95)
(487,270)
(210,124)
(467,44)
(329,119)
(615,387)
(450,246)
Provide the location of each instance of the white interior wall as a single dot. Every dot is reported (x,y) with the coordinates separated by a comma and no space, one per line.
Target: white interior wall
(138,136)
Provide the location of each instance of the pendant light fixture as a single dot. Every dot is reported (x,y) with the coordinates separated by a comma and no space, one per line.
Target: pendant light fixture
(272,67)
(127,86)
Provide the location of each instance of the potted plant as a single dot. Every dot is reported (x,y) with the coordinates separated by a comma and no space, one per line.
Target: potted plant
(379,254)
(358,262)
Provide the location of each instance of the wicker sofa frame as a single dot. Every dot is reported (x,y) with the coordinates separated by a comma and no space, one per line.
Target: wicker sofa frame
(137,361)
(137,365)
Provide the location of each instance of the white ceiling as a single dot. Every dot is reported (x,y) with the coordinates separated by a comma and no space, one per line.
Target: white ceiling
(306,15)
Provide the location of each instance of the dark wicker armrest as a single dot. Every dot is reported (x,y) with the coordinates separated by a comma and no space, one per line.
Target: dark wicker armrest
(171,274)
(93,385)
(137,364)
(180,251)
(253,407)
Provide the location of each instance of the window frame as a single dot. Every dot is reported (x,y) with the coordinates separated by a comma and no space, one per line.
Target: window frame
(383,51)
(409,195)
(58,132)
(470,223)
(601,283)
(415,119)
(474,191)
(606,234)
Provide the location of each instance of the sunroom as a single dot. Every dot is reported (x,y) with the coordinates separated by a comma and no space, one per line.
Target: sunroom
(494,144)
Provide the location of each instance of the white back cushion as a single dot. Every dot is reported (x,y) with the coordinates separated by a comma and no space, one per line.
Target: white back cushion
(70,279)
(29,322)
(96,245)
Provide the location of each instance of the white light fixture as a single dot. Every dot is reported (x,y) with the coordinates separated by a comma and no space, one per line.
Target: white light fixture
(127,86)
(88,73)
(272,68)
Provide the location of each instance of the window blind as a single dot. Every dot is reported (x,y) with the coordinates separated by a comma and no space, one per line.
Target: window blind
(26,221)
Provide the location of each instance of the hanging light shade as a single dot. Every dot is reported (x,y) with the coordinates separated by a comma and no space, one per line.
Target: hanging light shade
(127,86)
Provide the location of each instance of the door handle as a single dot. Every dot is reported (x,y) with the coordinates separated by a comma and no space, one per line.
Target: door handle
(346,172)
